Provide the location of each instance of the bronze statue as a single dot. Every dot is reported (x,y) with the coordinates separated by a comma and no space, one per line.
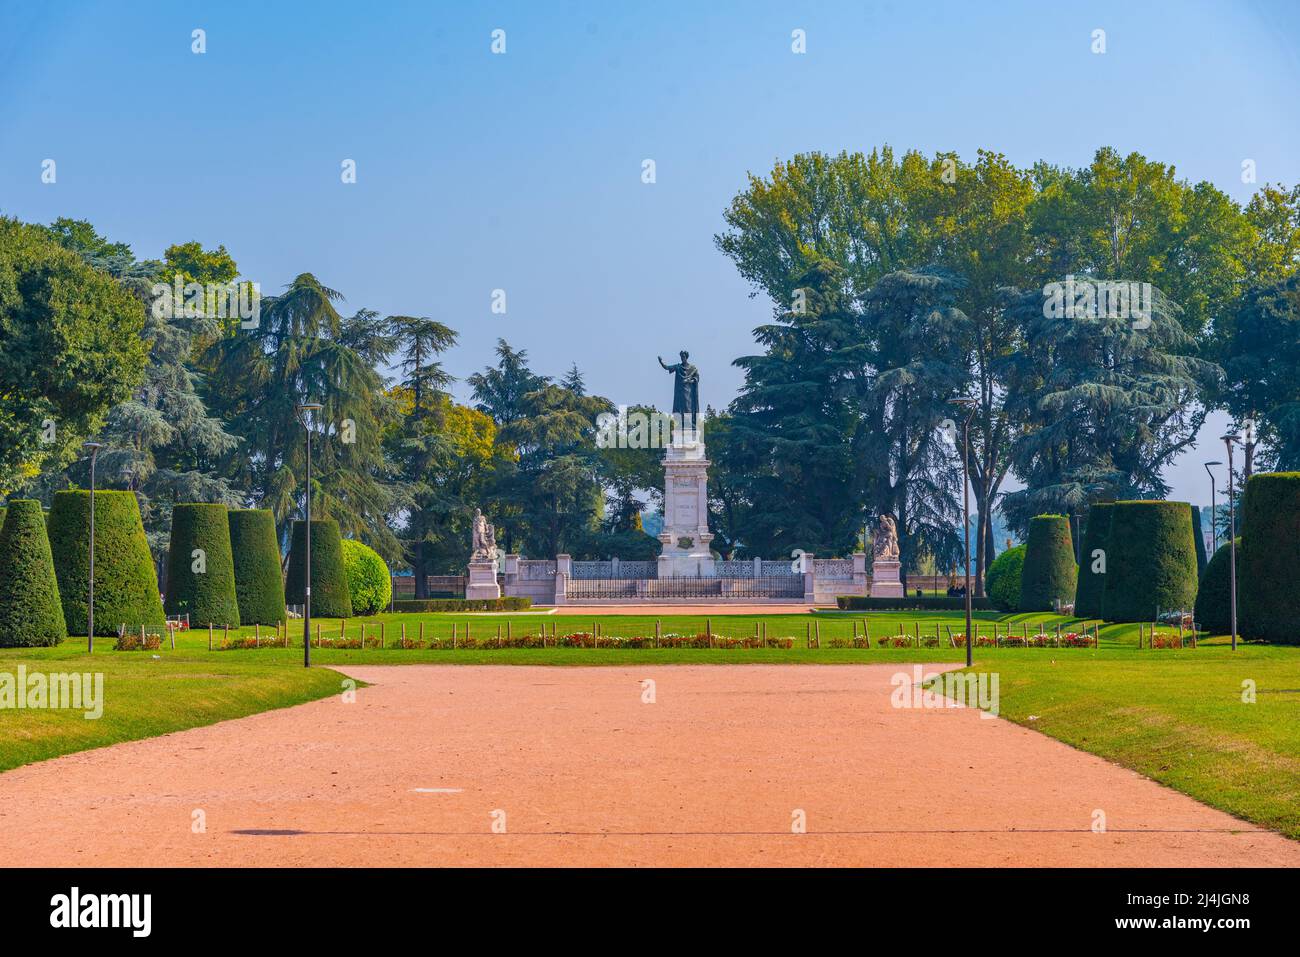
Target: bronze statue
(686,388)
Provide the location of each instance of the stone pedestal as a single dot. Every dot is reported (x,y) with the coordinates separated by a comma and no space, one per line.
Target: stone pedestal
(686,536)
(885,581)
(482,582)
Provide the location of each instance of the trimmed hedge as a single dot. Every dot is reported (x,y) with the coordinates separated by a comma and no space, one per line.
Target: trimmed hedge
(1151,561)
(30,611)
(1049,572)
(1198,540)
(1268,565)
(330,597)
(1002,580)
(206,594)
(1213,603)
(421,605)
(126,584)
(259,582)
(1091,588)
(926,602)
(369,584)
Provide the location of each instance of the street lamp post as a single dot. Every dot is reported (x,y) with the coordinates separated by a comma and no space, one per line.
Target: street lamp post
(965,511)
(1214,514)
(93,448)
(305,410)
(1229,440)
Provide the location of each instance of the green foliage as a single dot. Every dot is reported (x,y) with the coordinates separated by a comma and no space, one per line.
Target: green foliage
(1049,573)
(259,582)
(1261,352)
(30,610)
(126,585)
(1150,562)
(411,606)
(201,585)
(330,595)
(1268,580)
(369,584)
(70,348)
(1213,599)
(1091,589)
(304,351)
(1002,581)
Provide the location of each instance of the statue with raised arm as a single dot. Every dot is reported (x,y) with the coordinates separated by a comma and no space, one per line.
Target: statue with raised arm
(884,544)
(686,388)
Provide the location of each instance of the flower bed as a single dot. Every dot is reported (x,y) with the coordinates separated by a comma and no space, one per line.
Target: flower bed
(150,642)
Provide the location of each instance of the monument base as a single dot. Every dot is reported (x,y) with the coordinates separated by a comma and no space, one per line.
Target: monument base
(885,582)
(482,582)
(685,537)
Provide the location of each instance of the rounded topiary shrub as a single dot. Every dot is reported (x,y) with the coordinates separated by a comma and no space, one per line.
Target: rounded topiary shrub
(1091,589)
(369,585)
(200,569)
(1268,564)
(1213,607)
(1151,561)
(30,610)
(1002,580)
(259,582)
(330,597)
(126,585)
(1049,571)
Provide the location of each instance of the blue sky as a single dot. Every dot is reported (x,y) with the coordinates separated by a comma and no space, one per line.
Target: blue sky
(522,172)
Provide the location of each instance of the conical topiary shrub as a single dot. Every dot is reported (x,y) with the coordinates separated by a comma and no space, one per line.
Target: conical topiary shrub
(1198,540)
(259,583)
(1151,561)
(126,585)
(1213,608)
(330,596)
(1091,588)
(1268,563)
(1049,572)
(200,570)
(30,610)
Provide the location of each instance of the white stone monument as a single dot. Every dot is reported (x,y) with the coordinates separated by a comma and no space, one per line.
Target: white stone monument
(885,581)
(482,581)
(685,535)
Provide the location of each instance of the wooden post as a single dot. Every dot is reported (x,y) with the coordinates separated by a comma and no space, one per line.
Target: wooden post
(225,640)
(855,628)
(937,638)
(807,635)
(507,627)
(817,633)
(171,633)
(865,633)
(403,634)
(1058,634)
(257,634)
(708,630)
(381,634)
(209,636)
(343,629)
(658,622)
(319,632)
(498,636)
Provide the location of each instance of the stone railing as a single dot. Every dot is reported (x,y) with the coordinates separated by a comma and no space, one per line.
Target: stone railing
(840,568)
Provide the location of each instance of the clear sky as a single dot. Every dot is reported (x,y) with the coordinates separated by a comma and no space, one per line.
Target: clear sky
(522,171)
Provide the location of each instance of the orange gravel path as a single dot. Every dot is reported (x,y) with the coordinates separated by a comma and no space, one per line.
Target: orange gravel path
(587,774)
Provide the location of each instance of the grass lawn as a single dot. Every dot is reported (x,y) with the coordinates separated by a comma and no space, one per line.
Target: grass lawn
(1176,716)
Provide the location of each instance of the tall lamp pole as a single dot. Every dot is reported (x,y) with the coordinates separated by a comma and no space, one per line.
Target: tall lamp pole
(305,410)
(970,405)
(1214,514)
(1229,440)
(93,448)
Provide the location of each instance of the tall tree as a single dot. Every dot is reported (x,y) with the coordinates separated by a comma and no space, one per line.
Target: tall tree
(501,391)
(300,353)
(70,349)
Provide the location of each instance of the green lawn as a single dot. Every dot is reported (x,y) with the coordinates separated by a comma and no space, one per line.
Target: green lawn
(1176,716)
